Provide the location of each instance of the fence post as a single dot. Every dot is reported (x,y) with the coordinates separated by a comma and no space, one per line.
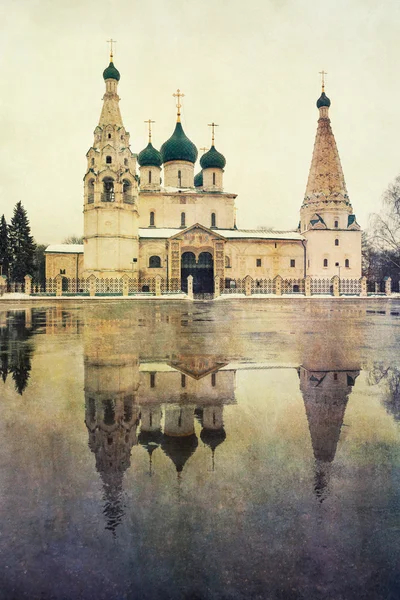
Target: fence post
(363,282)
(158,285)
(28,284)
(336,285)
(388,286)
(190,287)
(217,291)
(247,285)
(92,285)
(59,281)
(278,285)
(307,285)
(125,284)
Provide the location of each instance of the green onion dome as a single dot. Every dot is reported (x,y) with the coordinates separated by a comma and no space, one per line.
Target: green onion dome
(178,147)
(212,159)
(149,157)
(323,100)
(111,72)
(198,179)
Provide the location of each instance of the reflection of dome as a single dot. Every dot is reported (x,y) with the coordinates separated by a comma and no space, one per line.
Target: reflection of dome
(179,449)
(111,72)
(178,147)
(150,440)
(213,437)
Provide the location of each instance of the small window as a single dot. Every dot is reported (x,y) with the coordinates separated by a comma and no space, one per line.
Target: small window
(183,219)
(325,262)
(335,377)
(109,136)
(213,379)
(292,262)
(62,271)
(227,262)
(154,262)
(152,380)
(108,160)
(258,262)
(213,220)
(149,176)
(276,245)
(183,380)
(214,178)
(152,219)
(122,137)
(179,178)
(336,224)
(126,162)
(92,161)
(336,242)
(347,263)
(336,264)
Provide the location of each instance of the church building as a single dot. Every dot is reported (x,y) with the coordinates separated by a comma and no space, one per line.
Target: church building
(149,214)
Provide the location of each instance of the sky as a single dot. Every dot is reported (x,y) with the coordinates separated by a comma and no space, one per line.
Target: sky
(252,67)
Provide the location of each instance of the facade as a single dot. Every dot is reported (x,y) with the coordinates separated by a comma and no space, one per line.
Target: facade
(149,214)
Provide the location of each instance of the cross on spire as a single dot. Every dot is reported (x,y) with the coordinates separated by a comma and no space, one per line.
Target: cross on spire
(111,42)
(213,126)
(149,121)
(178,95)
(323,73)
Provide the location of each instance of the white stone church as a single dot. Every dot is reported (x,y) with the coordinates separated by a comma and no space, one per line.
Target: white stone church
(162,219)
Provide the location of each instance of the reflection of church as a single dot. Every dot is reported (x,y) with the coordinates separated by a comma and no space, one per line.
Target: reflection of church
(167,221)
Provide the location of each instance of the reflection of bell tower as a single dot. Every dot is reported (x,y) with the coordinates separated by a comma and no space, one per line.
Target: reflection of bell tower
(111,412)
(325,395)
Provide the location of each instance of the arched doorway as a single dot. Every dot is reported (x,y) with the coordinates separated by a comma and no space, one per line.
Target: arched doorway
(201,270)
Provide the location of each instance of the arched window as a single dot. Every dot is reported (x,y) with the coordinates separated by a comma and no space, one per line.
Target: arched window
(183,219)
(126,162)
(183,380)
(213,220)
(108,160)
(109,412)
(127,192)
(347,263)
(336,224)
(179,178)
(214,178)
(227,262)
(336,242)
(91,191)
(325,262)
(92,161)
(108,190)
(149,176)
(152,380)
(109,136)
(152,219)
(154,262)
(213,379)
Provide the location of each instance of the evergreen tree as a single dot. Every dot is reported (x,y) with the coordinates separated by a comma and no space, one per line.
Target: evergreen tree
(22,245)
(4,247)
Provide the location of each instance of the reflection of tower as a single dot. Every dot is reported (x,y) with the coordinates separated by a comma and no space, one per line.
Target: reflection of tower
(179,441)
(213,432)
(325,395)
(112,416)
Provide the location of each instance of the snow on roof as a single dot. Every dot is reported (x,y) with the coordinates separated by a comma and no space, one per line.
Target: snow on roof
(258,234)
(65,248)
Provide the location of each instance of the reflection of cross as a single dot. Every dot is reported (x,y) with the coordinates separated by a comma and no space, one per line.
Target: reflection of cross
(178,95)
(323,73)
(212,125)
(149,121)
(203,150)
(111,42)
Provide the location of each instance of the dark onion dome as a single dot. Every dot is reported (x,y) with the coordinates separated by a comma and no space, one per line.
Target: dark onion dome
(179,449)
(111,72)
(323,100)
(213,437)
(212,159)
(178,147)
(198,179)
(149,157)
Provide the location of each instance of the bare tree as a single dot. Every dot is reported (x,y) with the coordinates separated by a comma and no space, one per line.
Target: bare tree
(385,225)
(73,239)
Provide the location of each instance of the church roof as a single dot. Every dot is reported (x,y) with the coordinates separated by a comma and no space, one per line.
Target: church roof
(65,248)
(325,180)
(257,234)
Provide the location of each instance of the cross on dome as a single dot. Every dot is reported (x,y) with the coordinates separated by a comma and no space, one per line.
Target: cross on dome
(178,95)
(323,73)
(149,121)
(213,126)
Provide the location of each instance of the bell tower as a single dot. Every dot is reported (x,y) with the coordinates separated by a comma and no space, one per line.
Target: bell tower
(110,191)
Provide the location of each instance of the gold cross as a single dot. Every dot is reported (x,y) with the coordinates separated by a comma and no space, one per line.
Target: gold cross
(323,73)
(111,42)
(203,150)
(149,121)
(178,95)
(213,126)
